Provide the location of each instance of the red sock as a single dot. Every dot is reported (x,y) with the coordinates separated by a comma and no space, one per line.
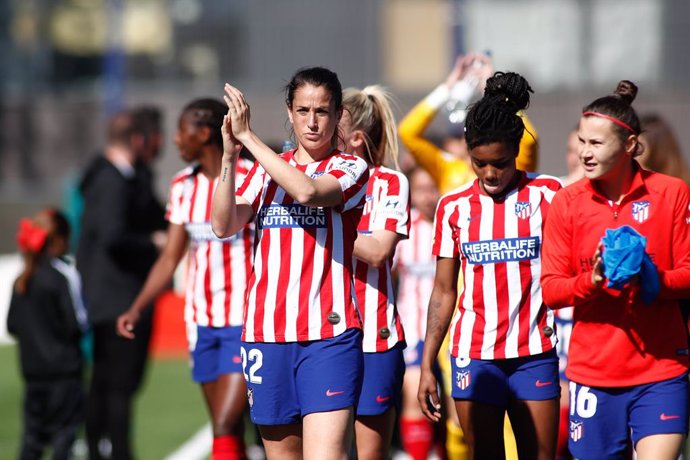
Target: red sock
(417,437)
(228,447)
(563,435)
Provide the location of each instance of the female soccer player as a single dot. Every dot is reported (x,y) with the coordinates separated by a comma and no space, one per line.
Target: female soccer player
(628,355)
(502,336)
(217,275)
(302,339)
(415,268)
(368,129)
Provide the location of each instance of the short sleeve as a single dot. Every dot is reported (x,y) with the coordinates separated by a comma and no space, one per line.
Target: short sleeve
(393,213)
(445,239)
(352,173)
(252,186)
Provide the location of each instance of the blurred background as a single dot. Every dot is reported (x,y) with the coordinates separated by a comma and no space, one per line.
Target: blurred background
(66,64)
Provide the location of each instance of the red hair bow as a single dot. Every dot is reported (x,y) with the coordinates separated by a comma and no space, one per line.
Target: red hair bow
(30,238)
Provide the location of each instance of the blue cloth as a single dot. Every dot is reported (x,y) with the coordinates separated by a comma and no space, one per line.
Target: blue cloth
(624,257)
(623,252)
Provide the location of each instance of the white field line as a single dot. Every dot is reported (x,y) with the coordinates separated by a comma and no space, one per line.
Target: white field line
(197,447)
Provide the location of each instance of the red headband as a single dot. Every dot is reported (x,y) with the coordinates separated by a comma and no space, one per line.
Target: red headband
(615,120)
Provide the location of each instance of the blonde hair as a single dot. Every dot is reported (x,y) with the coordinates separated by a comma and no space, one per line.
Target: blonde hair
(370,112)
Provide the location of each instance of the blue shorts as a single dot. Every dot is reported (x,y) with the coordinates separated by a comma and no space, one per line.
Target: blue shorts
(413,355)
(286,381)
(603,419)
(214,351)
(497,382)
(383,379)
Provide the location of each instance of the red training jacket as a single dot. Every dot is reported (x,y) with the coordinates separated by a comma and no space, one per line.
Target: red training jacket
(617,340)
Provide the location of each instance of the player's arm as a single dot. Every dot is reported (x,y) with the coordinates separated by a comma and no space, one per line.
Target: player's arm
(158,278)
(528,155)
(229,213)
(675,282)
(561,286)
(441,305)
(377,247)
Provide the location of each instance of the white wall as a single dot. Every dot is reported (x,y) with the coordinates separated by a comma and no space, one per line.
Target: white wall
(10,266)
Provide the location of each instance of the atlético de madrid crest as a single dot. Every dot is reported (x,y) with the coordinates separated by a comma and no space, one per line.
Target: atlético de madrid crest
(462,379)
(523,209)
(640,210)
(575,430)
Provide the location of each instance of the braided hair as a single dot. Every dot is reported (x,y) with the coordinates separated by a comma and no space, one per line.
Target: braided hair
(494,117)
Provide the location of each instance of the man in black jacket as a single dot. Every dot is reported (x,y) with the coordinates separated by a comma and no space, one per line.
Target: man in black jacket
(120,222)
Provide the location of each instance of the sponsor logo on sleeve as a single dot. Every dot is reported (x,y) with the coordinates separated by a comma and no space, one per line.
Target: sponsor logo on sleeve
(503,250)
(349,167)
(392,207)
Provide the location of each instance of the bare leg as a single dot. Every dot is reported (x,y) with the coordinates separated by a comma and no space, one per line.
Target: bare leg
(482,425)
(226,399)
(660,447)
(282,441)
(373,435)
(535,424)
(328,435)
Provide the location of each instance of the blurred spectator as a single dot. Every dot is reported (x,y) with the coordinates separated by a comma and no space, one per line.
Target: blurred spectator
(116,250)
(662,151)
(572,159)
(47,317)
(449,164)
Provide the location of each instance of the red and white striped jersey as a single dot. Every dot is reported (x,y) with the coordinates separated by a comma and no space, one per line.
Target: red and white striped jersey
(301,287)
(218,269)
(386,207)
(416,266)
(500,312)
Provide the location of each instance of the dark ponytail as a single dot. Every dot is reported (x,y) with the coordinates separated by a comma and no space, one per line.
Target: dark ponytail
(619,107)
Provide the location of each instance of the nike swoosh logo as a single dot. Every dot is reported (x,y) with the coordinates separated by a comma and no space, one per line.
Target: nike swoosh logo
(382,399)
(539,383)
(668,417)
(333,393)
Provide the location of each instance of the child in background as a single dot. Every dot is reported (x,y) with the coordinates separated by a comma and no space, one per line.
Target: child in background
(47,318)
